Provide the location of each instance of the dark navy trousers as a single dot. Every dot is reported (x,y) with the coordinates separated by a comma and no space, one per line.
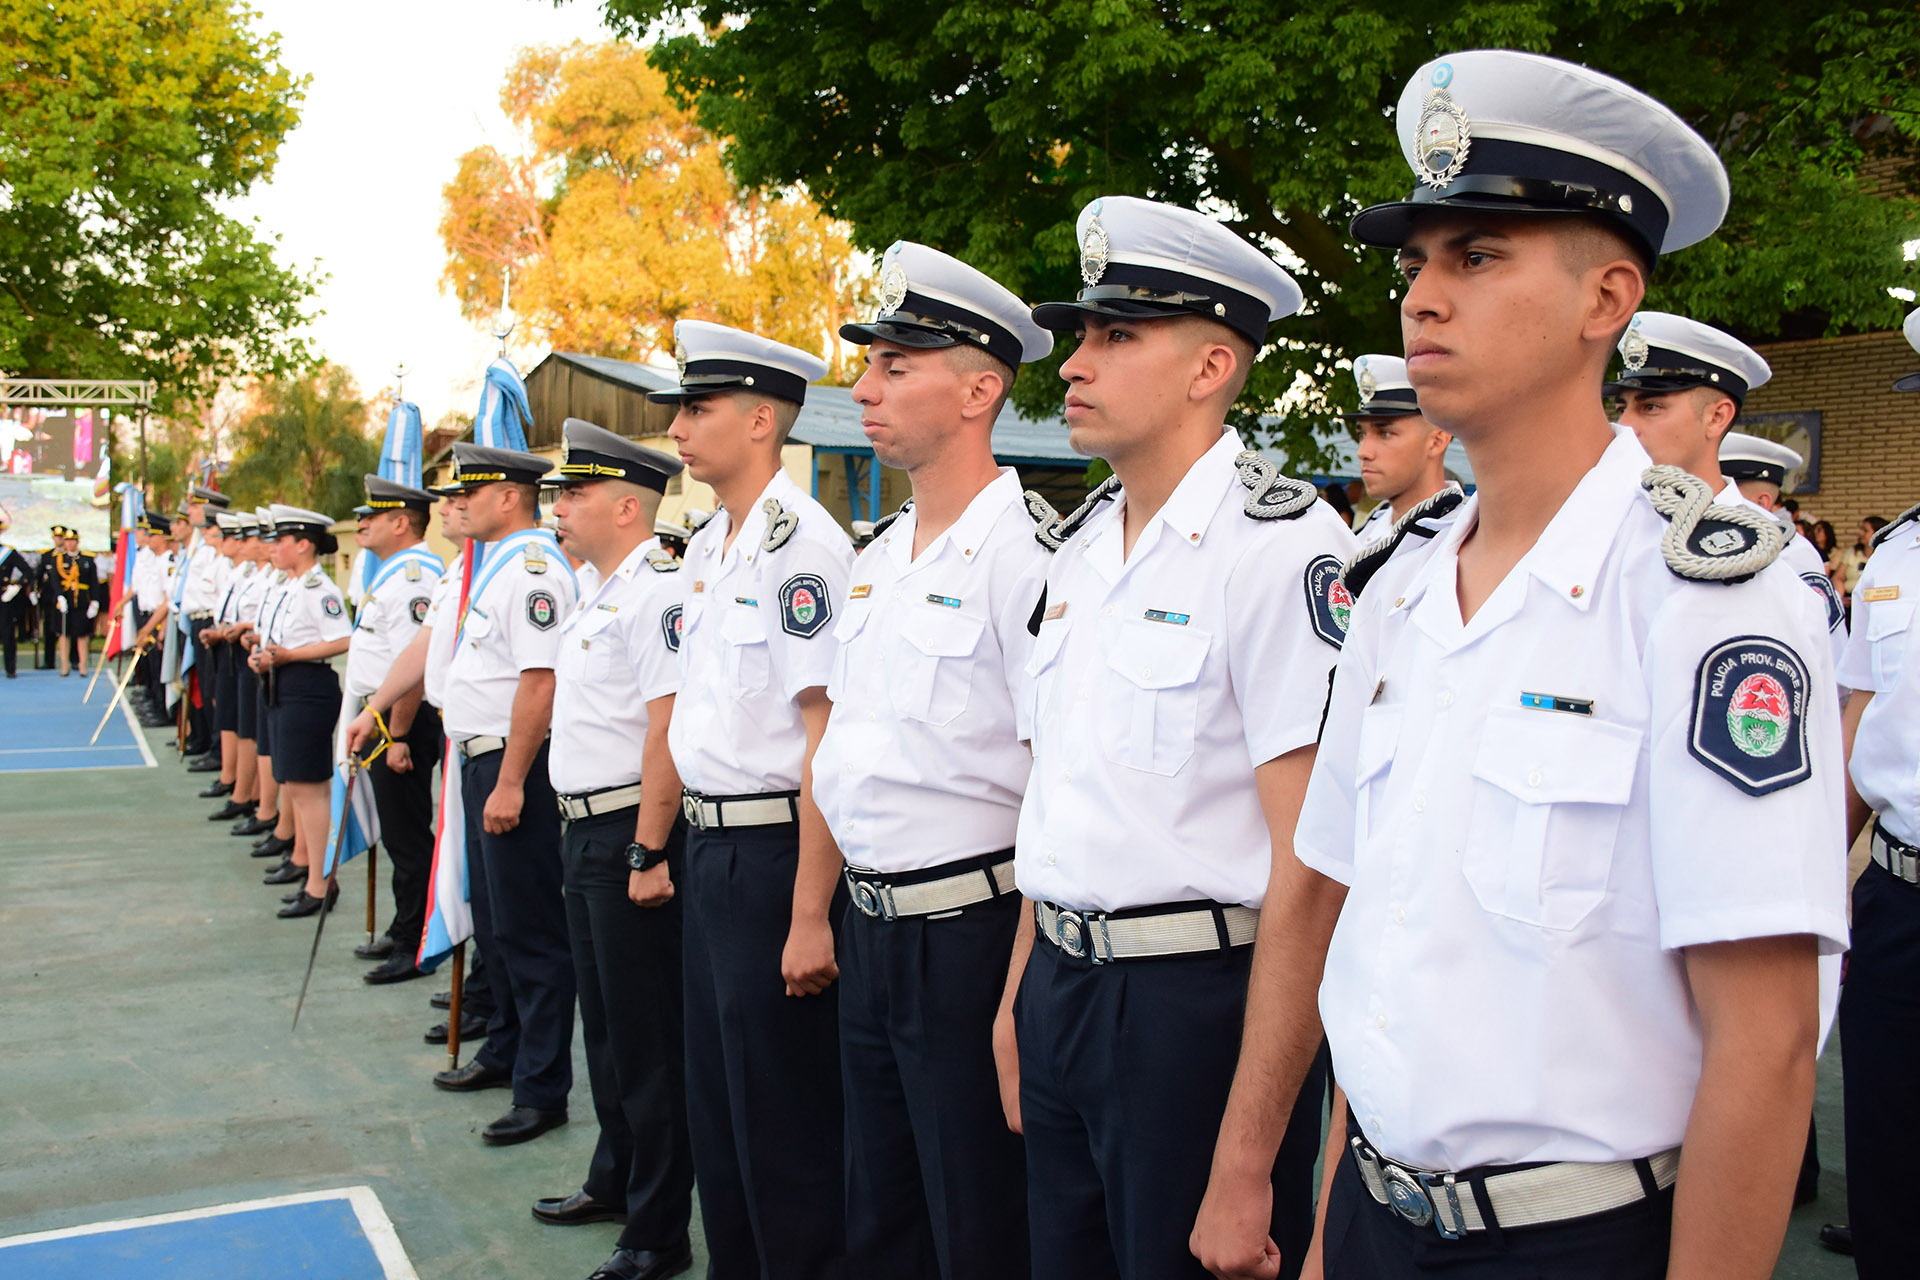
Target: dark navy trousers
(1880,1036)
(524,937)
(1124,1073)
(763,1067)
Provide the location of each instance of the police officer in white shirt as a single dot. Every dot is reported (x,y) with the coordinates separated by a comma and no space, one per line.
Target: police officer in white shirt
(254,783)
(499,702)
(1879,1015)
(920,775)
(1190,622)
(150,581)
(392,526)
(1403,457)
(1549,974)
(764,580)
(198,580)
(622,847)
(223,662)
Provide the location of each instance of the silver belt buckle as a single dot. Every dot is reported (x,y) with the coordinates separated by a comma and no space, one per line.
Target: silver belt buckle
(690,807)
(1070,933)
(872,899)
(1445,1183)
(1405,1195)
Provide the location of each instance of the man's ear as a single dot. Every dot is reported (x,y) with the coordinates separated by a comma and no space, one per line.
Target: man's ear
(1619,287)
(984,389)
(1215,370)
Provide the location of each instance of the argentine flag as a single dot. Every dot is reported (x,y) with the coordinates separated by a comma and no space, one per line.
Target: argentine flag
(449,912)
(355,810)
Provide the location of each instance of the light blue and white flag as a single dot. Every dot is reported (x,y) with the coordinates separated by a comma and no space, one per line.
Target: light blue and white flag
(356,811)
(504,415)
(400,453)
(449,910)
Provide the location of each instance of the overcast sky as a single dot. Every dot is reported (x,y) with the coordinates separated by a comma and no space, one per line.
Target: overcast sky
(398,91)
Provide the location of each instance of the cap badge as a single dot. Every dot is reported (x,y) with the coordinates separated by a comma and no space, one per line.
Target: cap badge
(1095,251)
(1634,349)
(893,288)
(680,353)
(1368,384)
(1444,137)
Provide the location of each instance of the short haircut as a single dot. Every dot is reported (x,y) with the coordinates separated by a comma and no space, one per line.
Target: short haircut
(1244,350)
(416,520)
(529,496)
(785,412)
(967,359)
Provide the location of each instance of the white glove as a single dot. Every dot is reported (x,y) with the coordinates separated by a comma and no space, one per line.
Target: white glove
(13,589)
(93,609)
(62,606)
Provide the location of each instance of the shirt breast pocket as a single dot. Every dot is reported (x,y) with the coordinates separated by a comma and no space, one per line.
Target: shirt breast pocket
(749,661)
(596,636)
(1551,790)
(1153,695)
(1379,736)
(1887,623)
(846,633)
(935,676)
(477,628)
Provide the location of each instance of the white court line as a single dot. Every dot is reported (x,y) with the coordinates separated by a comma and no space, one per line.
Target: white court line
(48,751)
(374,1224)
(139,734)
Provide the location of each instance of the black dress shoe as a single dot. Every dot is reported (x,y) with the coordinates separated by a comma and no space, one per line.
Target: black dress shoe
(1837,1238)
(273,847)
(645,1264)
(217,789)
(308,905)
(472,1078)
(255,825)
(379,949)
(441,999)
(521,1124)
(396,968)
(208,764)
(571,1211)
(295,895)
(471,1029)
(231,810)
(285,873)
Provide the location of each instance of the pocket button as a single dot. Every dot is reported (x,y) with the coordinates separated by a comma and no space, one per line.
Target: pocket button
(1533,777)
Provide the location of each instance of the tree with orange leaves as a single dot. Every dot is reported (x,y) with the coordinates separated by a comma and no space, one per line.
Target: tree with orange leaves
(618,216)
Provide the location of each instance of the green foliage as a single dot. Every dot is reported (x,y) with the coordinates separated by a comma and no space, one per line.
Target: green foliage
(306,443)
(981,127)
(123,129)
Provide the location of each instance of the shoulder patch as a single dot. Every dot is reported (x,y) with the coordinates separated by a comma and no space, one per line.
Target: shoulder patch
(1830,596)
(312,579)
(1051,529)
(781,525)
(533,559)
(1271,495)
(1749,714)
(1329,603)
(1368,560)
(417,607)
(1910,514)
(542,612)
(1705,541)
(331,606)
(804,606)
(661,562)
(670,627)
(412,571)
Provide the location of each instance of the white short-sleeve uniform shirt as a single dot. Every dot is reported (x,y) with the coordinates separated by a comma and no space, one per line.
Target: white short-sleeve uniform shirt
(1158,681)
(1537,808)
(442,604)
(618,652)
(201,592)
(1879,659)
(924,760)
(310,610)
(514,612)
(756,631)
(390,615)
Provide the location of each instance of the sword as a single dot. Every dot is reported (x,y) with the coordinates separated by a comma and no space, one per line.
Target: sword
(111,628)
(119,692)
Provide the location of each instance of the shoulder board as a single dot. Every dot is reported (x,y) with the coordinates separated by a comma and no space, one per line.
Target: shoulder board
(533,557)
(781,524)
(1910,514)
(695,526)
(880,526)
(1050,529)
(1271,495)
(661,562)
(1369,559)
(1705,541)
(313,578)
(412,571)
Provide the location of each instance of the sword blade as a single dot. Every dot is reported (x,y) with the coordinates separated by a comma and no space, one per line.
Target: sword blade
(119,692)
(339,838)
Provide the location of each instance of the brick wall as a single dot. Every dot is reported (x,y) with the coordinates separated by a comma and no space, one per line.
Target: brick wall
(1870,451)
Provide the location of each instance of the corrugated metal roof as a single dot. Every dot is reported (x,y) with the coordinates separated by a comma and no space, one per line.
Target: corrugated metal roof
(638,376)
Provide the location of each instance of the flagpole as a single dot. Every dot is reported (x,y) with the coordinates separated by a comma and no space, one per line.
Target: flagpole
(373,884)
(453,1005)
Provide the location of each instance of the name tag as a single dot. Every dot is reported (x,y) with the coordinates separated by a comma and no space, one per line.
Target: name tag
(861,592)
(1176,619)
(1054,611)
(1880,593)
(951,602)
(1554,702)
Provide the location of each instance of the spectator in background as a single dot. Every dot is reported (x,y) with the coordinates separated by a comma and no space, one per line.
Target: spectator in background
(1828,545)
(1336,496)
(1855,558)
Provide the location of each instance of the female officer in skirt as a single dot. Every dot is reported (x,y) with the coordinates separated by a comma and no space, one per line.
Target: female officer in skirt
(304,626)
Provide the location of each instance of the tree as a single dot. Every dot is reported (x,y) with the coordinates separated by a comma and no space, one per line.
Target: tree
(981,127)
(618,217)
(306,442)
(123,129)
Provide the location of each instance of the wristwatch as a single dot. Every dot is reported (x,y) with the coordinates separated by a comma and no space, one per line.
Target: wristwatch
(641,858)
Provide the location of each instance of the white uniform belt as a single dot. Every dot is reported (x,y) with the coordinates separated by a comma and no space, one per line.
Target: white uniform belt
(1903,860)
(1101,938)
(484,745)
(876,896)
(204,615)
(594,803)
(711,813)
(1522,1198)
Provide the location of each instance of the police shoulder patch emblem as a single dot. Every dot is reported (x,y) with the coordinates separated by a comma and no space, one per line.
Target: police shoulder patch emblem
(1749,714)
(1329,603)
(1829,595)
(418,608)
(670,627)
(331,607)
(804,606)
(542,612)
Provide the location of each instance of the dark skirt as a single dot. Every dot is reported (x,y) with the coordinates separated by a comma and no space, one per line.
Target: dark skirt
(246,698)
(262,721)
(305,711)
(226,687)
